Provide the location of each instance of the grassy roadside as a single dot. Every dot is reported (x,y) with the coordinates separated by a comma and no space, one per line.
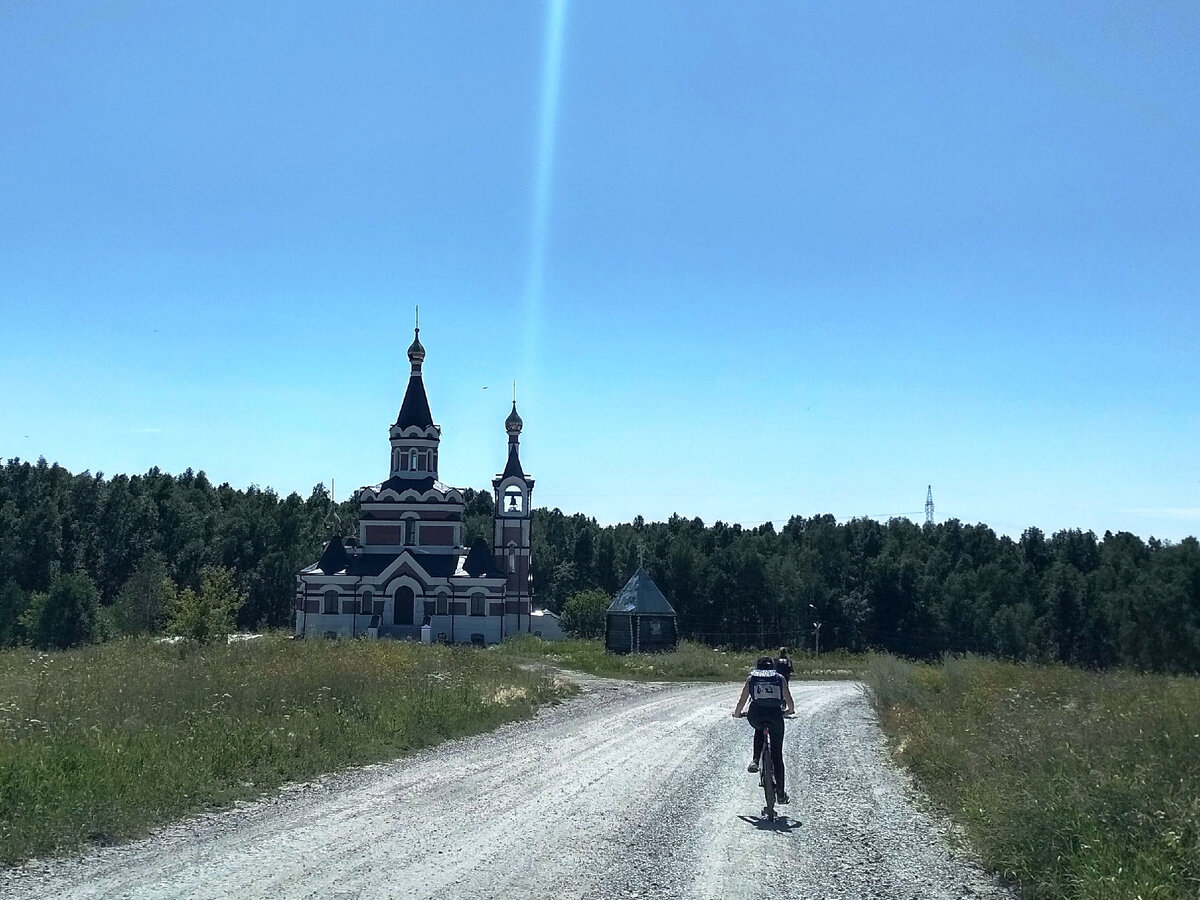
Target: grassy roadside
(102,743)
(1073,784)
(690,662)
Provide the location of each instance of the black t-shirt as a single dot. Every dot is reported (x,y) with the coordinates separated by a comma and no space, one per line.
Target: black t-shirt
(783,666)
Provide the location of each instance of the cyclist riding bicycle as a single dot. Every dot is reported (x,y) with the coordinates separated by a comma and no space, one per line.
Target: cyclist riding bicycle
(783,665)
(770,699)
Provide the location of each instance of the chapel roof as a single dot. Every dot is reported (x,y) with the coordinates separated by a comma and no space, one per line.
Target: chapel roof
(641,596)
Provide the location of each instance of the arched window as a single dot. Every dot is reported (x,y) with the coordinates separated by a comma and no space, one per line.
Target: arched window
(412,460)
(395,460)
(443,605)
(410,532)
(331,601)
(432,460)
(364,607)
(514,500)
(477,605)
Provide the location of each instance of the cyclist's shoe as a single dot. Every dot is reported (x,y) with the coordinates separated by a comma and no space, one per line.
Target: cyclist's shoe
(782,798)
(753,767)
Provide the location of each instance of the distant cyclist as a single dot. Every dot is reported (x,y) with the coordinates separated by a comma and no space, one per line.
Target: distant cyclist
(770,699)
(783,665)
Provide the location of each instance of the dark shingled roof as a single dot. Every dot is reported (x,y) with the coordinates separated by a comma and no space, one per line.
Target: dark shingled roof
(415,408)
(370,564)
(400,485)
(641,596)
(514,463)
(335,557)
(438,565)
(479,561)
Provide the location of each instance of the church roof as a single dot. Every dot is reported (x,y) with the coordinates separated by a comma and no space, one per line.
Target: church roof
(438,565)
(513,467)
(415,408)
(479,561)
(335,557)
(398,484)
(641,596)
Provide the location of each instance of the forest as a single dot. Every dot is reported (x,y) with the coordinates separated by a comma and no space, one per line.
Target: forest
(916,590)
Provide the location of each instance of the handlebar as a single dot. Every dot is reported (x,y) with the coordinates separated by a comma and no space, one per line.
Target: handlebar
(742,715)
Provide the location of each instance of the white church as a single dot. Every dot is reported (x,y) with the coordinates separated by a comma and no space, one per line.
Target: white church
(409,576)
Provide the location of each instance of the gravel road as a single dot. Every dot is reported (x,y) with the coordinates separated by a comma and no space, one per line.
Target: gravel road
(629,791)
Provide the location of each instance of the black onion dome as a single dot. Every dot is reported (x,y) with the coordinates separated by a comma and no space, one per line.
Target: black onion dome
(513,423)
(416,353)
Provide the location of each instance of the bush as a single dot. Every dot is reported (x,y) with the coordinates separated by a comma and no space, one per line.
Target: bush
(141,606)
(583,613)
(13,601)
(206,615)
(64,616)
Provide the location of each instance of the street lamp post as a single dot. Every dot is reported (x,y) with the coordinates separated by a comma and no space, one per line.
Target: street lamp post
(816,630)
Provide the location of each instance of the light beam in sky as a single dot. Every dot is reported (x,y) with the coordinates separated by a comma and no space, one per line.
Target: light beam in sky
(556,13)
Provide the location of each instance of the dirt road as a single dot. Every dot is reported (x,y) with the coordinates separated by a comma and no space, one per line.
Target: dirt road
(631,791)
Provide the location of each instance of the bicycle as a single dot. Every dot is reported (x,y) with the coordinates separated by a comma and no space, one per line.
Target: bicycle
(767,775)
(766,778)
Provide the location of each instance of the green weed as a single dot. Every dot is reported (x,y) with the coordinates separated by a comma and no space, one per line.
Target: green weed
(1073,784)
(689,662)
(103,742)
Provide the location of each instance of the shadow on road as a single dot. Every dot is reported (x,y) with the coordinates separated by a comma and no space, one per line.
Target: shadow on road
(782,824)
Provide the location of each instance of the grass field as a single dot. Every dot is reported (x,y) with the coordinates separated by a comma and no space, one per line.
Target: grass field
(690,662)
(1073,784)
(103,742)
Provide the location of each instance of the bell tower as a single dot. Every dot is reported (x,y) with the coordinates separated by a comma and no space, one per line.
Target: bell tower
(414,438)
(511,545)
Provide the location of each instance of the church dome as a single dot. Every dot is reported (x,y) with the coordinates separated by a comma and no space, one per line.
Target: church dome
(513,423)
(416,353)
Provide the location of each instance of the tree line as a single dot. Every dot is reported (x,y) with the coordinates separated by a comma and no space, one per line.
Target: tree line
(83,556)
(914,590)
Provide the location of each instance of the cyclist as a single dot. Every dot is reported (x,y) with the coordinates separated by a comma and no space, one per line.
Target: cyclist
(783,665)
(770,699)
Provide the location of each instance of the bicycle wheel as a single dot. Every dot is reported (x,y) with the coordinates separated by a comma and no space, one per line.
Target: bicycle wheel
(768,779)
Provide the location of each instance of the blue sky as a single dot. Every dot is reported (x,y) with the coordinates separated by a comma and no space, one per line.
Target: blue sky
(744,260)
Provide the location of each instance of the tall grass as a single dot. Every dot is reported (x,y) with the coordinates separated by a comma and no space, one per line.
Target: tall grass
(101,743)
(689,662)
(1073,784)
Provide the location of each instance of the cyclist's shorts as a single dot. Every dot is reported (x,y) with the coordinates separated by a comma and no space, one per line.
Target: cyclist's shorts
(759,716)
